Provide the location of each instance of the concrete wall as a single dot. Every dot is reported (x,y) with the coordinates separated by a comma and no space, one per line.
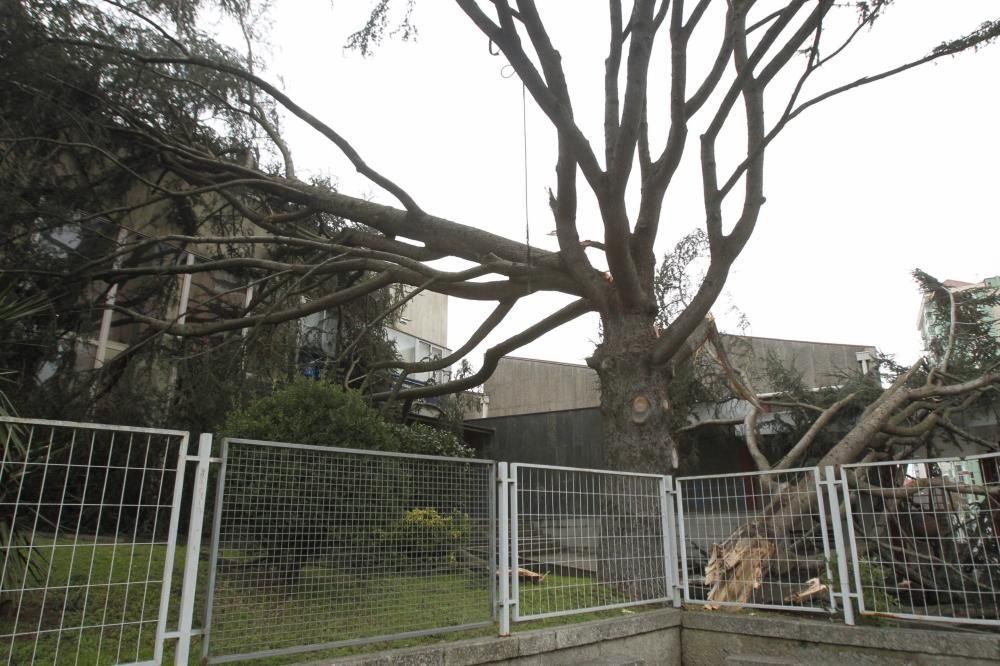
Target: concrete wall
(698,638)
(546,413)
(741,639)
(821,363)
(529,386)
(426,317)
(570,438)
(646,638)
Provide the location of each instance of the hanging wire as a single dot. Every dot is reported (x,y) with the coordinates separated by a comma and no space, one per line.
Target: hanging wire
(508,72)
(524,137)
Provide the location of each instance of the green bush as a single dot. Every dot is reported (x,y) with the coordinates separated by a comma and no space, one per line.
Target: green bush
(424,534)
(420,438)
(311,412)
(323,414)
(323,516)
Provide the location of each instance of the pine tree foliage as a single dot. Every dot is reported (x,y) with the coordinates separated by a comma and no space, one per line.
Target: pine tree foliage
(83,154)
(963,324)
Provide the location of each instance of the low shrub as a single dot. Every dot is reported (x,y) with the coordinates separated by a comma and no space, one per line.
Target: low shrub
(424,534)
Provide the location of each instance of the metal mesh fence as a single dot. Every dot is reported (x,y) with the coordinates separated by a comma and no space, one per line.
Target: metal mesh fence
(87,534)
(924,538)
(756,539)
(319,547)
(586,540)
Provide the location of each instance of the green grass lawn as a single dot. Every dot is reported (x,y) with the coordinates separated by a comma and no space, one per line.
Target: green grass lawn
(558,594)
(324,605)
(90,602)
(113,619)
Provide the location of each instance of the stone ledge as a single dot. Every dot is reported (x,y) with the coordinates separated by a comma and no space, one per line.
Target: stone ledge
(585,640)
(834,632)
(526,644)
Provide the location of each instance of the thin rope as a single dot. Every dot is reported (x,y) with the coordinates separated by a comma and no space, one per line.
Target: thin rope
(507,71)
(524,136)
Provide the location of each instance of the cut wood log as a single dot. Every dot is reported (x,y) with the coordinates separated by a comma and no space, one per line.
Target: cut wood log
(530,576)
(812,587)
(527,575)
(522,573)
(734,572)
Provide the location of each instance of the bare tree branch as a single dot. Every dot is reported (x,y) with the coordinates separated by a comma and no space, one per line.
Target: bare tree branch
(750,437)
(495,353)
(345,147)
(802,446)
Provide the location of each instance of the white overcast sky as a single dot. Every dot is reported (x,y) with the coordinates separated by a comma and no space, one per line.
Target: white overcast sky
(860,190)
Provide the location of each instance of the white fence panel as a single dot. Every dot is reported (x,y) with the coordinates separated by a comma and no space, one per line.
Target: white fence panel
(924,538)
(757,539)
(318,547)
(88,529)
(585,540)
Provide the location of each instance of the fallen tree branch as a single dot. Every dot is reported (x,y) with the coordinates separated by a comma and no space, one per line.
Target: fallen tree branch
(803,444)
(920,484)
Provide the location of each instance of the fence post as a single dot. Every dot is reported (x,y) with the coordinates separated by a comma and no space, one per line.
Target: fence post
(503,571)
(838,541)
(669,520)
(190,582)
(213,554)
(681,541)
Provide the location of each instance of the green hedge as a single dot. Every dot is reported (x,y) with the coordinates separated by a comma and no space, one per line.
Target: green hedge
(323,414)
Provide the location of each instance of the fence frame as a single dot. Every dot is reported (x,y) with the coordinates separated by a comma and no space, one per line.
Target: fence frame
(503,484)
(821,511)
(503,535)
(515,586)
(206,630)
(852,538)
(669,503)
(836,521)
(162,634)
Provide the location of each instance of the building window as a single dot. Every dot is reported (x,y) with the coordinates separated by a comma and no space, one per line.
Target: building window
(319,332)
(412,349)
(406,345)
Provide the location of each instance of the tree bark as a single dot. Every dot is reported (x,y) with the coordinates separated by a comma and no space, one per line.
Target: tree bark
(635,406)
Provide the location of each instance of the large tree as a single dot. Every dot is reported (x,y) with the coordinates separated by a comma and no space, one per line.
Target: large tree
(143,66)
(67,178)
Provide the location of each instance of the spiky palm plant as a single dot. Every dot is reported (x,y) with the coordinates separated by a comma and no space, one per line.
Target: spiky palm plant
(14,542)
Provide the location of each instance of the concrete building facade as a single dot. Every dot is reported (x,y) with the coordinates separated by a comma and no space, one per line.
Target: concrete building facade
(531,386)
(546,412)
(421,333)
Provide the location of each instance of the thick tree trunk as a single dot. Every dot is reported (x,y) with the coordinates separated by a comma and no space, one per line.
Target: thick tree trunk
(635,414)
(635,409)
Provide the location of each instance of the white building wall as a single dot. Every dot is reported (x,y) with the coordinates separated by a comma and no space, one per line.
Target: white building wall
(425,316)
